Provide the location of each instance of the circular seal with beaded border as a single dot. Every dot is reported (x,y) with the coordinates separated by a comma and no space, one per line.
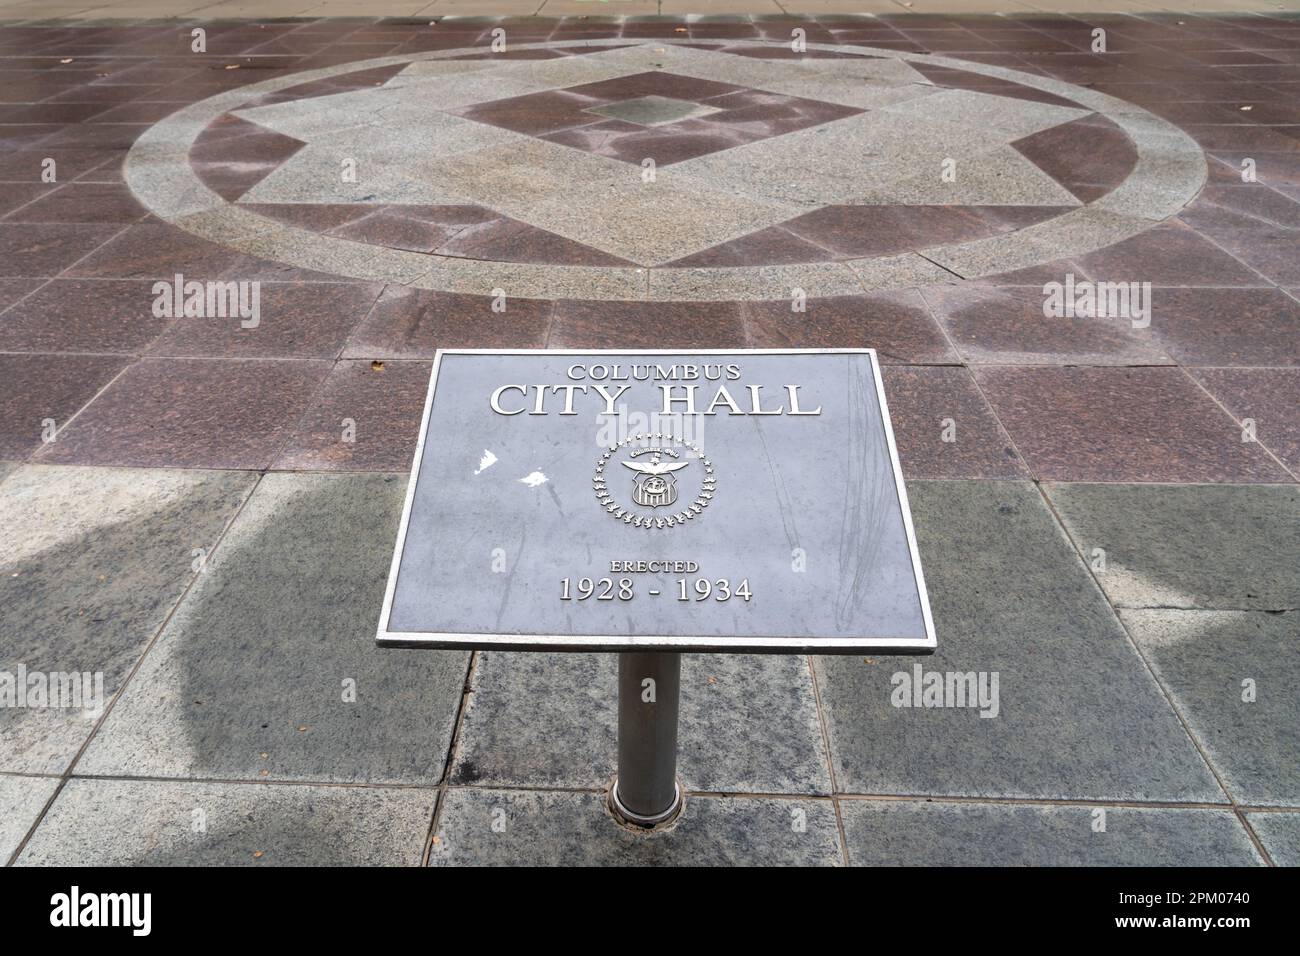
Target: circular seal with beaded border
(654,463)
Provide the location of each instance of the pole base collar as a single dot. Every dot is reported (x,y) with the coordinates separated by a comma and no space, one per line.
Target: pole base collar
(646,822)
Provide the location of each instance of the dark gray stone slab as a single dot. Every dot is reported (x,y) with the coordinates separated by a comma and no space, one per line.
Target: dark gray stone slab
(1280,834)
(248,679)
(1079,716)
(1211,662)
(21,800)
(136,822)
(1189,546)
(7,468)
(747,724)
(538,828)
(92,560)
(915,833)
(800,514)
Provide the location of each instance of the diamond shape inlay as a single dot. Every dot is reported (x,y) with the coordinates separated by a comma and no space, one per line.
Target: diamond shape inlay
(653,110)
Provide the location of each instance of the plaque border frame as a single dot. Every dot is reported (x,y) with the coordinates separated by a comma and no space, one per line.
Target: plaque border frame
(739,644)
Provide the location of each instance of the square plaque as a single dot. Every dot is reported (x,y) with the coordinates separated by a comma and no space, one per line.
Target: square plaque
(729,500)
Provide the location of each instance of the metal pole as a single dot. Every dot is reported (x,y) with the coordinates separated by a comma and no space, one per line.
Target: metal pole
(645,791)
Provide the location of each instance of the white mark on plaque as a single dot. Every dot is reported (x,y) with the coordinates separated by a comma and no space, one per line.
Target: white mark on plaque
(533,480)
(486,462)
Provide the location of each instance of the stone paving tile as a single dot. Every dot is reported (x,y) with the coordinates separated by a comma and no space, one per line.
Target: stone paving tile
(1188,546)
(1213,663)
(1006,326)
(913,833)
(192,413)
(414,324)
(47,249)
(1269,397)
(1170,254)
(930,404)
(249,678)
(1269,250)
(1121,424)
(631,325)
(21,802)
(92,560)
(46,388)
(748,724)
(366,417)
(575,829)
(1227,326)
(1079,716)
(1280,834)
(897,325)
(82,202)
(147,823)
(295,320)
(69,315)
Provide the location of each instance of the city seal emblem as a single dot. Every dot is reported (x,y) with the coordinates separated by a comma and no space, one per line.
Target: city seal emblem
(656,460)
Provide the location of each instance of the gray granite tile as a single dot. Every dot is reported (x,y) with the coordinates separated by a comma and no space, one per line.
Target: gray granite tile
(136,822)
(748,723)
(1280,834)
(92,560)
(248,680)
(21,801)
(537,828)
(1078,714)
(1188,546)
(1233,676)
(915,833)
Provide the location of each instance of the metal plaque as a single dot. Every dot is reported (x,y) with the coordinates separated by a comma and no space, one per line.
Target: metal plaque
(729,500)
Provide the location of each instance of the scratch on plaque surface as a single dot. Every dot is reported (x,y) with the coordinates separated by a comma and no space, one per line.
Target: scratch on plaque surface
(534,479)
(486,462)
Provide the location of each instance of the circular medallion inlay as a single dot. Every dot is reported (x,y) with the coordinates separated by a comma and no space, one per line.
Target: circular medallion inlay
(664,170)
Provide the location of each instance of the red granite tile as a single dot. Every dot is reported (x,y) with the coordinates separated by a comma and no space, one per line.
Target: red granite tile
(1226,206)
(296,320)
(153,251)
(772,246)
(1269,397)
(47,249)
(1269,250)
(671,325)
(535,113)
(82,202)
(668,144)
(191,413)
(15,196)
(366,417)
(507,240)
(896,324)
(38,388)
(28,166)
(92,315)
(12,290)
(1171,254)
(1120,424)
(856,231)
(1006,326)
(1089,156)
(654,83)
(1272,168)
(1227,326)
(943,427)
(414,323)
(966,80)
(384,226)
